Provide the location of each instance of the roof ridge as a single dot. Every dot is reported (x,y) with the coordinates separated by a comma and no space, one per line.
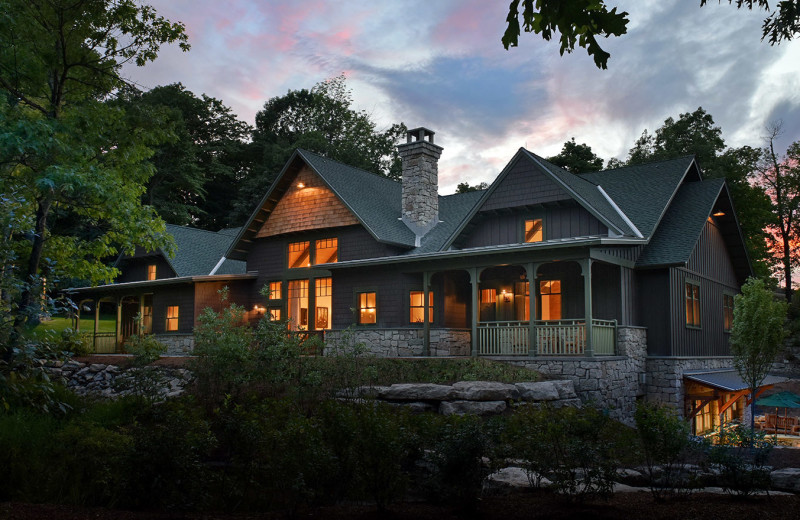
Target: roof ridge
(378,175)
(648,163)
(198,229)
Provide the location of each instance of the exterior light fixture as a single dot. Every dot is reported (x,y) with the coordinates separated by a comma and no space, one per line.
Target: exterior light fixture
(719,214)
(301,185)
(506,296)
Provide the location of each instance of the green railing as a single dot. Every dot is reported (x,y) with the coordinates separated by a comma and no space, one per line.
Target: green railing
(553,338)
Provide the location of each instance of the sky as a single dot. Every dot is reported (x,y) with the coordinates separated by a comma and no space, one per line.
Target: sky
(440,64)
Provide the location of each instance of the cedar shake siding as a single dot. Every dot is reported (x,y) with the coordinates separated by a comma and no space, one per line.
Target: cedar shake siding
(312,207)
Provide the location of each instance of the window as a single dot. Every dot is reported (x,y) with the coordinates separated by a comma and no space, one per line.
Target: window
(327,251)
(533,230)
(417,314)
(550,291)
(299,254)
(275,290)
(367,310)
(488,306)
(727,312)
(147,314)
(692,305)
(297,304)
(172,318)
(323,303)
(275,315)
(488,295)
(151,272)
(522,308)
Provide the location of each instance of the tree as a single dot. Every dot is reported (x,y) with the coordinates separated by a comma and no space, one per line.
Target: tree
(321,120)
(205,157)
(757,335)
(464,187)
(577,158)
(68,154)
(780,177)
(583,21)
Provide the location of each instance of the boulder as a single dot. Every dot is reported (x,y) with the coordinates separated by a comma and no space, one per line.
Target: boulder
(542,391)
(485,391)
(472,407)
(786,479)
(565,388)
(418,392)
(511,477)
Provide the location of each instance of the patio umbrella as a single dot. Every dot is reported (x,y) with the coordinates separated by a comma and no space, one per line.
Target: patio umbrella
(783,400)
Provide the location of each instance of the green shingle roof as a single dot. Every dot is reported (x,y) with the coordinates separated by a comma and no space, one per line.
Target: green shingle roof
(199,251)
(680,229)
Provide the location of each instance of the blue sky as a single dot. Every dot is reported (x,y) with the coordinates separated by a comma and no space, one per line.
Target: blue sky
(440,64)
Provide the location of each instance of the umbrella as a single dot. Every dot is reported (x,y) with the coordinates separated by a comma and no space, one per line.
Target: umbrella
(780,400)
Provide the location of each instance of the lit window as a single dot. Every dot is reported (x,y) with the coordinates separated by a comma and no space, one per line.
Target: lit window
(488,295)
(172,318)
(275,290)
(327,251)
(299,254)
(297,304)
(151,272)
(522,308)
(323,303)
(533,230)
(367,311)
(275,314)
(727,312)
(417,314)
(692,305)
(550,291)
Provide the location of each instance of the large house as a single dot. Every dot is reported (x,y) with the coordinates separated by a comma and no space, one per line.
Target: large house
(622,280)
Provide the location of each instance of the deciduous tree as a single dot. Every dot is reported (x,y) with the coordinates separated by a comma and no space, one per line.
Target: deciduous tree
(577,158)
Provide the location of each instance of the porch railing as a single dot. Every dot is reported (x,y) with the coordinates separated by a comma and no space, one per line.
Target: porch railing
(102,342)
(553,338)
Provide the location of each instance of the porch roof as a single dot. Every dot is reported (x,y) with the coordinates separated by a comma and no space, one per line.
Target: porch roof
(727,380)
(161,282)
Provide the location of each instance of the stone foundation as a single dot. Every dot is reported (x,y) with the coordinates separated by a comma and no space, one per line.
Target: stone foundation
(177,344)
(402,342)
(665,376)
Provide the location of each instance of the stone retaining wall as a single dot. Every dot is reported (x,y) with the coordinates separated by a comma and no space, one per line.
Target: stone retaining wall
(112,381)
(665,376)
(177,344)
(403,342)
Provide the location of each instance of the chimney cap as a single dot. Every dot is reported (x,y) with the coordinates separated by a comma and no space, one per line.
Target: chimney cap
(419,134)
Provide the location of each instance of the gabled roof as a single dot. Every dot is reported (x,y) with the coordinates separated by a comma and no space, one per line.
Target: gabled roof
(199,251)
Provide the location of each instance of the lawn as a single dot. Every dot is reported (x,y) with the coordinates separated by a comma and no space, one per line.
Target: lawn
(107,323)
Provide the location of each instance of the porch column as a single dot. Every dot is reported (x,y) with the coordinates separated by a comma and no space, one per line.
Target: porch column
(426,323)
(473,278)
(586,271)
(118,338)
(530,272)
(96,323)
(140,320)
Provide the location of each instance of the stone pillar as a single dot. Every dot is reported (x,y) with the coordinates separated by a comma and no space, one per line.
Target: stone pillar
(420,200)
(586,271)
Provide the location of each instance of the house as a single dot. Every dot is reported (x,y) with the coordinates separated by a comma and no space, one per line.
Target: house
(622,280)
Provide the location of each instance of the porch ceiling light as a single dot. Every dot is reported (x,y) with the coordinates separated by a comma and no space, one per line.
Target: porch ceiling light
(719,214)
(301,185)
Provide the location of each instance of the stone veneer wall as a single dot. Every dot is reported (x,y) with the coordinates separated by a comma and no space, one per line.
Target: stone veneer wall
(177,344)
(405,342)
(611,382)
(665,376)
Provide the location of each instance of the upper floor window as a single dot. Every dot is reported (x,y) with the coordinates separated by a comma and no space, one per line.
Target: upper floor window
(692,305)
(727,312)
(299,254)
(327,251)
(274,290)
(172,318)
(367,308)
(151,272)
(417,314)
(533,230)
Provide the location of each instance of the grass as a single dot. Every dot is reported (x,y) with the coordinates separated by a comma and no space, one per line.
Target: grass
(107,323)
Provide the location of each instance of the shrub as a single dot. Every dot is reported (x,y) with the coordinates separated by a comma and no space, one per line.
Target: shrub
(668,449)
(741,456)
(24,458)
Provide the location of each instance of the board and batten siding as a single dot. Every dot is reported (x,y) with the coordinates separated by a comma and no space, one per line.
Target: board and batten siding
(525,185)
(709,339)
(710,257)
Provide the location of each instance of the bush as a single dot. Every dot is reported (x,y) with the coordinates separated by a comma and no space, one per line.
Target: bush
(741,456)
(670,452)
(24,458)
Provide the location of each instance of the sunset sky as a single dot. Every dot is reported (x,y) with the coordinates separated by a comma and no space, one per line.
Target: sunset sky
(440,64)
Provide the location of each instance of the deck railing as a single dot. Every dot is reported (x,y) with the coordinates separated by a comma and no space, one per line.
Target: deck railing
(553,338)
(102,342)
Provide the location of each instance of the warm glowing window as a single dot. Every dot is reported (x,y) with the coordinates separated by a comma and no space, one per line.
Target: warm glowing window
(299,254)
(327,251)
(275,290)
(522,307)
(151,272)
(275,314)
(147,314)
(533,230)
(692,305)
(323,303)
(172,318)
(488,295)
(727,312)
(550,291)
(297,304)
(367,310)
(417,314)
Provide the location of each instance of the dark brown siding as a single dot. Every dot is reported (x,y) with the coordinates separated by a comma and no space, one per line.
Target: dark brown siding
(561,222)
(207,294)
(135,269)
(572,301)
(355,243)
(710,257)
(180,295)
(457,296)
(606,292)
(709,339)
(653,289)
(392,289)
(525,185)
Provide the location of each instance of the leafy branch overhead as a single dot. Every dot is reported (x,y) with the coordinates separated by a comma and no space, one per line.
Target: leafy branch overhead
(581,22)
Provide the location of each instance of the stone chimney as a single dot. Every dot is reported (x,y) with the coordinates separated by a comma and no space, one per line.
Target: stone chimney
(420,203)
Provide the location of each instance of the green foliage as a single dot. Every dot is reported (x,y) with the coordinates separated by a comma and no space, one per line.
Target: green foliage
(144,348)
(24,437)
(741,455)
(464,187)
(668,449)
(758,332)
(577,158)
